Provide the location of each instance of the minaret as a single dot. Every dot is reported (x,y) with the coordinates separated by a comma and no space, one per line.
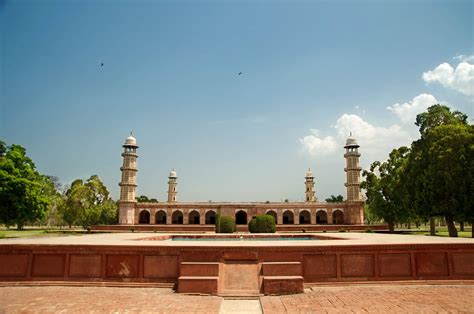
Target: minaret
(172,186)
(128,184)
(309,183)
(352,169)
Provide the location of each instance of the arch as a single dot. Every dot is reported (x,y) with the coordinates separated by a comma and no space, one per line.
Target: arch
(288,217)
(337,217)
(160,217)
(321,217)
(194,217)
(144,217)
(305,217)
(177,218)
(273,214)
(210,217)
(240,217)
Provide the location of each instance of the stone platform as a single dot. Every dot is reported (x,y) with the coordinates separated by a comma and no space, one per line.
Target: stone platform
(236,268)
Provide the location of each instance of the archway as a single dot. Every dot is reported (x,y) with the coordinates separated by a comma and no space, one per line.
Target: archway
(240,218)
(288,218)
(305,217)
(321,217)
(194,218)
(177,218)
(160,217)
(144,217)
(337,217)
(210,217)
(273,214)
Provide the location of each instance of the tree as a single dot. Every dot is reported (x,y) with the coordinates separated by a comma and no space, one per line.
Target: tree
(22,187)
(451,158)
(145,199)
(444,149)
(335,199)
(88,203)
(384,190)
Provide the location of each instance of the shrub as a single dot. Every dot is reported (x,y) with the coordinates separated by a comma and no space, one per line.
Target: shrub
(262,224)
(226,225)
(253,225)
(368,230)
(342,230)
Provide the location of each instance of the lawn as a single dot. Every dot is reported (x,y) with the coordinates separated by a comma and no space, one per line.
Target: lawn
(36,233)
(440,232)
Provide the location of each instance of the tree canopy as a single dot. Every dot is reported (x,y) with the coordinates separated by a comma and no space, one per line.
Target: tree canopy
(23,190)
(335,199)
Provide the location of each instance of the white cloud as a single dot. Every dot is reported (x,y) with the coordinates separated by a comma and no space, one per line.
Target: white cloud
(376,141)
(317,145)
(407,111)
(464,58)
(460,79)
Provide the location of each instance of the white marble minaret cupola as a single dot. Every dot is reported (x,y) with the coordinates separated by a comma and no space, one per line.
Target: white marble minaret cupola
(309,183)
(172,183)
(128,184)
(352,169)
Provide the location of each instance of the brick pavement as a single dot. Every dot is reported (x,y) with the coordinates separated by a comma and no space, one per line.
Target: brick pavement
(371,298)
(55,299)
(387,298)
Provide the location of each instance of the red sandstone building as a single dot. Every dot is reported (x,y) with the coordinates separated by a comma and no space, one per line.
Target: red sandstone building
(172,212)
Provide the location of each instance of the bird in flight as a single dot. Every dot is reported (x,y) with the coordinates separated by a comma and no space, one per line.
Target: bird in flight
(240,73)
(102,64)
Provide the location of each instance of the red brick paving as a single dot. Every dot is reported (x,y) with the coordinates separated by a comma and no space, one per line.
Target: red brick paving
(54,299)
(375,299)
(386,298)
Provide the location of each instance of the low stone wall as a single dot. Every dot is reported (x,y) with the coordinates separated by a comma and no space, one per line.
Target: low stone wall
(239,228)
(160,264)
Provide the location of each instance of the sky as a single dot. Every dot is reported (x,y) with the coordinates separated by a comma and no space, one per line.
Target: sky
(312,72)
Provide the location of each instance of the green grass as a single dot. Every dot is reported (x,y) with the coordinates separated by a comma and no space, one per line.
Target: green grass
(36,233)
(440,232)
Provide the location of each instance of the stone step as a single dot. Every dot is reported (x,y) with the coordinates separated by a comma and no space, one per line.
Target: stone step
(282,284)
(281,269)
(195,269)
(198,284)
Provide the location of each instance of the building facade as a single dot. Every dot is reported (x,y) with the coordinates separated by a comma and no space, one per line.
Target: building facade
(310,212)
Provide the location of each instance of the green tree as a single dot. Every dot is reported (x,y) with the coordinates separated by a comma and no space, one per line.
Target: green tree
(89,203)
(335,199)
(451,158)
(22,188)
(445,143)
(384,190)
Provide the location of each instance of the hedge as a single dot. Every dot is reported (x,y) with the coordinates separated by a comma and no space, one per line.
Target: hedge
(262,224)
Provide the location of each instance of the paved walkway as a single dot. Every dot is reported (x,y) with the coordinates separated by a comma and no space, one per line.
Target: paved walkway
(344,299)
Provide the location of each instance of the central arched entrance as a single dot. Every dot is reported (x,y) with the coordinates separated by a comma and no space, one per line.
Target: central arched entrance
(305,217)
(144,217)
(177,218)
(288,218)
(160,217)
(194,218)
(241,218)
(210,217)
(321,217)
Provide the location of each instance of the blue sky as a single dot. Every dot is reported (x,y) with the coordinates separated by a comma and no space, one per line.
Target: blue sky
(312,72)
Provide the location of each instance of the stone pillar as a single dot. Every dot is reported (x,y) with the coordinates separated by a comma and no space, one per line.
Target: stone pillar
(202,216)
(279,216)
(329,213)
(296,216)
